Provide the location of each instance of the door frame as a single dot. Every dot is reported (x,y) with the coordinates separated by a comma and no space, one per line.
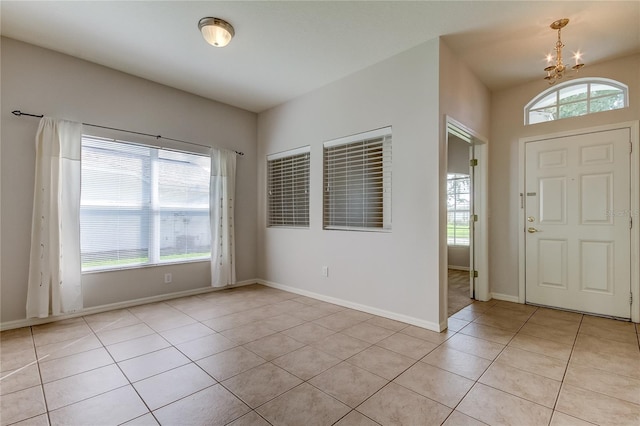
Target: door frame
(480,250)
(633,127)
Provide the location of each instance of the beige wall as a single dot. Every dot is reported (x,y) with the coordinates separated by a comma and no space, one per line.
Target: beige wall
(42,81)
(506,129)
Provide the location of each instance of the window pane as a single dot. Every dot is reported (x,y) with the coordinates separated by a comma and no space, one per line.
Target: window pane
(458,209)
(603,90)
(184,235)
(573,93)
(607,103)
(549,100)
(288,191)
(573,110)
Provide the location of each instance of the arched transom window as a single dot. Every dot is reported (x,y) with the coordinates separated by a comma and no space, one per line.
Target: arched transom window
(575,98)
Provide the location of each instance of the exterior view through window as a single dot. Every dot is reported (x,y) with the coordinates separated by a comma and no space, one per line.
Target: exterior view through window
(458,209)
(142,205)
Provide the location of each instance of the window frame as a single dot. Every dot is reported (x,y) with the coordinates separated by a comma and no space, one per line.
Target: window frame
(295,184)
(382,136)
(531,106)
(154,209)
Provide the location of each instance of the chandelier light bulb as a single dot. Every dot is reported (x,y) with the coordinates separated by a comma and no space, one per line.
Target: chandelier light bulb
(556,66)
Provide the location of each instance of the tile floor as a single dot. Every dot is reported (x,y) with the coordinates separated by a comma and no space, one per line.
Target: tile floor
(259,356)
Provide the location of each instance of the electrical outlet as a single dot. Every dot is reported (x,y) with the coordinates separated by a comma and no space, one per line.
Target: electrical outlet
(325,271)
(167,278)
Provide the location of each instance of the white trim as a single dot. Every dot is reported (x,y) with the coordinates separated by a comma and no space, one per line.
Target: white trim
(459,268)
(302,150)
(364,308)
(633,127)
(505,297)
(8,325)
(372,134)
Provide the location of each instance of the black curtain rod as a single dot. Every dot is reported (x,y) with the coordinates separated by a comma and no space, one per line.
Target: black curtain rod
(20,113)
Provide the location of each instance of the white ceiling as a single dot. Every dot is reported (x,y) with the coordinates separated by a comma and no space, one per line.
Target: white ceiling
(285,49)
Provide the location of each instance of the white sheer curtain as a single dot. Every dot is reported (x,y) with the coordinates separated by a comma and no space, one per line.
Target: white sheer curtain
(222,194)
(54,285)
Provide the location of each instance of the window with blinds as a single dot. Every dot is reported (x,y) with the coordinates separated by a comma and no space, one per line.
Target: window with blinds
(357,182)
(288,189)
(142,205)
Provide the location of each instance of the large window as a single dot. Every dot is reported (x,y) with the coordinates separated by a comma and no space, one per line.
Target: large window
(357,182)
(288,189)
(458,205)
(575,98)
(142,205)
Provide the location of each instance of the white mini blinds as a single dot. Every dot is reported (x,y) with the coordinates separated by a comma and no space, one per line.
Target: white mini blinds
(288,189)
(357,182)
(142,205)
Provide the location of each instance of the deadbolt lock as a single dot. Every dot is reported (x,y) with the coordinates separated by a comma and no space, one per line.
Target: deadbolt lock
(531,219)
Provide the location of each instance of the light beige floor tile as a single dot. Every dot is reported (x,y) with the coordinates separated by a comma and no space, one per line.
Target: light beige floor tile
(111,320)
(529,386)
(22,405)
(261,384)
(619,363)
(466,315)
(338,321)
(549,333)
(306,362)
(561,419)
(170,322)
(146,420)
(16,380)
(118,406)
(387,323)
(229,363)
(303,405)
(623,335)
(541,346)
(16,343)
(454,324)
(186,333)
(122,334)
(596,407)
(607,323)
(153,363)
(428,335)
(502,312)
(227,322)
(474,346)
(553,322)
(69,347)
(518,307)
(73,331)
(247,333)
(250,419)
(406,345)
(308,333)
(41,420)
(458,419)
(82,386)
(588,343)
(136,347)
(167,387)
(273,346)
(502,322)
(614,385)
(206,346)
(282,322)
(211,406)
(341,346)
(396,405)
(355,418)
(557,314)
(486,332)
(382,362)
(312,313)
(454,361)
(495,407)
(73,364)
(552,368)
(348,383)
(434,383)
(10,361)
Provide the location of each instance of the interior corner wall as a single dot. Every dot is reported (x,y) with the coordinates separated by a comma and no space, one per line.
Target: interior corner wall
(396,273)
(39,81)
(507,128)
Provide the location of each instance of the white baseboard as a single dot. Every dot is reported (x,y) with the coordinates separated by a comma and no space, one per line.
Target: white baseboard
(505,297)
(8,325)
(364,308)
(459,268)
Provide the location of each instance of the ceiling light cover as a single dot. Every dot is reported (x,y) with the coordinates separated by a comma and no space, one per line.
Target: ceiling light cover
(217,32)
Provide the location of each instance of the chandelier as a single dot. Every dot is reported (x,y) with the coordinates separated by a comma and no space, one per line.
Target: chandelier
(556,71)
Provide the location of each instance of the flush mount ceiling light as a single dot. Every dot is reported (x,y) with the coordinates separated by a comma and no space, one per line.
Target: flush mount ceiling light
(217,32)
(556,71)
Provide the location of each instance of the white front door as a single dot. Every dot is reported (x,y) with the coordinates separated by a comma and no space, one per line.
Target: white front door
(577,224)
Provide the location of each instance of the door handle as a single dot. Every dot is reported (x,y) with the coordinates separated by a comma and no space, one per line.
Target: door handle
(531,230)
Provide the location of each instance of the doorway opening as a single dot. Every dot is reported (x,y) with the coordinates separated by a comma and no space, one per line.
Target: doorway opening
(466,204)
